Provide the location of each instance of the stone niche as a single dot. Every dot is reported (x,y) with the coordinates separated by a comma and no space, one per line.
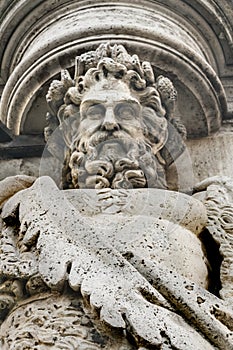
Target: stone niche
(170,38)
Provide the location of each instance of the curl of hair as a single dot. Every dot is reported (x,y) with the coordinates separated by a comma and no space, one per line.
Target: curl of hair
(134,80)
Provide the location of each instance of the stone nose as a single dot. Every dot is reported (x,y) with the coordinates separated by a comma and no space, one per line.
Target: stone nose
(110,122)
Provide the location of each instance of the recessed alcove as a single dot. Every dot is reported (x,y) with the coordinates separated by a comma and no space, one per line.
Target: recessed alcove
(178,46)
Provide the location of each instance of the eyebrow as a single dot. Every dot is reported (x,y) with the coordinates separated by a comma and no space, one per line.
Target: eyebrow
(95,101)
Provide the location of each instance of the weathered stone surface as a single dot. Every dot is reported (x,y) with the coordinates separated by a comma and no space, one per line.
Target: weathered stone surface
(61,244)
(52,321)
(217,158)
(148,223)
(218,200)
(11,185)
(116,268)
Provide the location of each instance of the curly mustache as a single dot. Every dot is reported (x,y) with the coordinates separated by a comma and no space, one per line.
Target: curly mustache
(88,142)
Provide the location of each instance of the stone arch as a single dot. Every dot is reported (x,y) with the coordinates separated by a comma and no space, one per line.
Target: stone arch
(185,48)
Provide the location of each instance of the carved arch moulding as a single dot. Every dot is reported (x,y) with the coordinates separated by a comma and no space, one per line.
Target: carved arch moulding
(189,43)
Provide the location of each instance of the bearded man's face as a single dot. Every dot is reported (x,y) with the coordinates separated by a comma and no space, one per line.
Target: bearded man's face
(109,111)
(110,149)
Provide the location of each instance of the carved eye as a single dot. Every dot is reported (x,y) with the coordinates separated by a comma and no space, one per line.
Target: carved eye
(125,111)
(95,112)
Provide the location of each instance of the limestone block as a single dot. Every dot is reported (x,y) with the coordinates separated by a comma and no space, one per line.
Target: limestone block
(203,158)
(212,156)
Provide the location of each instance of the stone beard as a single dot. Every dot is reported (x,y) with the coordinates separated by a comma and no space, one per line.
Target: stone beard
(112,147)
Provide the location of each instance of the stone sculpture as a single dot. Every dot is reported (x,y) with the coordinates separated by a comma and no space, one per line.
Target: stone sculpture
(115,261)
(114,102)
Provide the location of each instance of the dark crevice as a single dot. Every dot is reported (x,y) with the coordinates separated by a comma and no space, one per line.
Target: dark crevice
(215,260)
(13,219)
(68,267)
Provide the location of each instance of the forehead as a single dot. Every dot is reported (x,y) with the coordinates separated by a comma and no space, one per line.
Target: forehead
(109,91)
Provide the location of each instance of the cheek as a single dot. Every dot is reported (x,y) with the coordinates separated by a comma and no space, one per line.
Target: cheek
(89,125)
(133,126)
